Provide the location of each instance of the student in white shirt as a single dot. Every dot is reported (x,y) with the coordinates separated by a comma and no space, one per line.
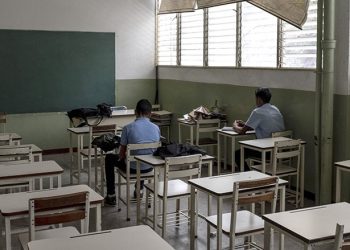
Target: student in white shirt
(264,119)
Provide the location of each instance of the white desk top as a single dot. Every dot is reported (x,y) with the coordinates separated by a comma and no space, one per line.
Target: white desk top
(83,130)
(233,133)
(344,164)
(221,185)
(266,143)
(184,121)
(158,161)
(313,224)
(29,169)
(35,148)
(15,136)
(128,112)
(161,112)
(129,238)
(17,203)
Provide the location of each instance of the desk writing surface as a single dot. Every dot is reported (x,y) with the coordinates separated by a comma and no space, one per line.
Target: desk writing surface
(314,223)
(14,136)
(129,238)
(29,169)
(161,112)
(233,133)
(17,203)
(35,148)
(223,184)
(265,143)
(345,164)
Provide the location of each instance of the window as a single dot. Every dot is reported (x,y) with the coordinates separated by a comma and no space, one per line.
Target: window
(222,35)
(259,37)
(236,35)
(192,38)
(167,33)
(299,46)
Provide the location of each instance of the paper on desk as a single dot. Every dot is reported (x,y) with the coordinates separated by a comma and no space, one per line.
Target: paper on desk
(227,129)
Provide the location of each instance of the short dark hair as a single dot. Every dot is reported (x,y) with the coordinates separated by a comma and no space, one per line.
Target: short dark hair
(143,107)
(264,94)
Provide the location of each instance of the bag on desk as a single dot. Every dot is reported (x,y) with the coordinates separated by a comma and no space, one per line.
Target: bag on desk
(176,149)
(107,142)
(104,109)
(79,116)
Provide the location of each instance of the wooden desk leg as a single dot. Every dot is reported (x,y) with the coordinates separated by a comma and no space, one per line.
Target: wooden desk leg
(282,208)
(192,219)
(225,152)
(71,157)
(219,223)
(138,183)
(233,154)
(338,185)
(242,158)
(302,170)
(155,200)
(8,233)
(89,165)
(59,180)
(80,142)
(267,236)
(219,154)
(191,135)
(98,218)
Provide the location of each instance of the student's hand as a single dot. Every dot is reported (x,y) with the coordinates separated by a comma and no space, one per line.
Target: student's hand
(239,123)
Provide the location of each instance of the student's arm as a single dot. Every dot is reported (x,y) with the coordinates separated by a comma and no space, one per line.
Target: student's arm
(240,127)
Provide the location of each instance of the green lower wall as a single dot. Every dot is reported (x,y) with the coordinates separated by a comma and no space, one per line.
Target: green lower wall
(296,106)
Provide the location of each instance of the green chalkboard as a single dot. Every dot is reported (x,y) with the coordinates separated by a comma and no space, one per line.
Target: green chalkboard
(48,71)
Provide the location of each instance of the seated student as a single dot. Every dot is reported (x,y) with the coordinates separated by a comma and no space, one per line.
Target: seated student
(264,119)
(142,130)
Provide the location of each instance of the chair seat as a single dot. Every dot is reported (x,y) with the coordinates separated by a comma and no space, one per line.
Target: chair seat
(207,141)
(282,169)
(176,188)
(63,232)
(147,175)
(85,152)
(246,223)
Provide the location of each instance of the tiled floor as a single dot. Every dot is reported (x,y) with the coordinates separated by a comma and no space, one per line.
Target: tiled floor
(177,237)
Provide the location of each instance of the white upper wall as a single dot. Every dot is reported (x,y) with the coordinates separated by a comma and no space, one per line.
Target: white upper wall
(133,22)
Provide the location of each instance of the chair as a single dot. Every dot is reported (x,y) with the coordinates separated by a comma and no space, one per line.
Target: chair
(207,126)
(3,120)
(95,152)
(6,139)
(16,155)
(172,187)
(339,243)
(245,223)
(55,210)
(131,178)
(285,162)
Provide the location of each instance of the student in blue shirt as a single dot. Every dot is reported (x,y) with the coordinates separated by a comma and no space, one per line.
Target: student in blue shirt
(264,119)
(142,130)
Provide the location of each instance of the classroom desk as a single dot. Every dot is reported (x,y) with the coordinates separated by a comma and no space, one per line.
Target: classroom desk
(221,187)
(36,151)
(340,167)
(309,226)
(15,206)
(28,172)
(157,162)
(16,138)
(130,238)
(266,145)
(228,135)
(162,119)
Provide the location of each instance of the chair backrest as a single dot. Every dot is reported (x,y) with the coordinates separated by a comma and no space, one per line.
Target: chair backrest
(285,133)
(251,192)
(155,107)
(6,139)
(206,126)
(182,167)
(59,209)
(286,150)
(16,154)
(132,147)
